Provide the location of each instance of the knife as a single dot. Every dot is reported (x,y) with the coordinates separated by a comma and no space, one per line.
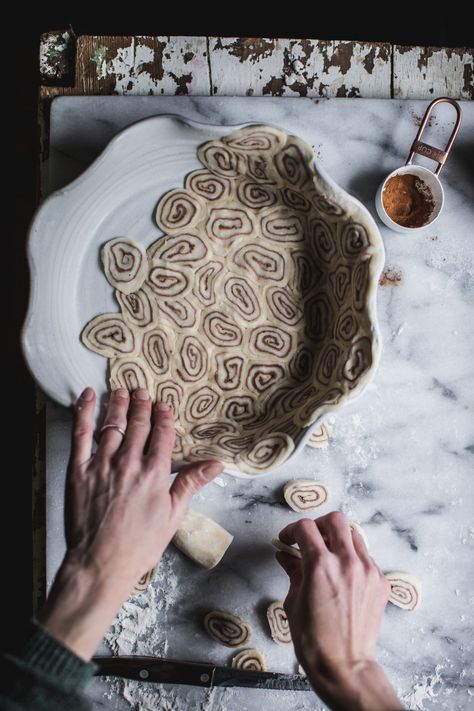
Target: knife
(171,671)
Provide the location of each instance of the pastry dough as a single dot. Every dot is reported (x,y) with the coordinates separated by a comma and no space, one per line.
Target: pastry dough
(278,623)
(405,590)
(125,264)
(305,494)
(145,580)
(320,437)
(227,629)
(250,309)
(291,550)
(202,539)
(250,659)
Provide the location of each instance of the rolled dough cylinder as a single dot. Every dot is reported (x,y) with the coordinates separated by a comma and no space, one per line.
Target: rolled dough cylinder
(405,590)
(202,539)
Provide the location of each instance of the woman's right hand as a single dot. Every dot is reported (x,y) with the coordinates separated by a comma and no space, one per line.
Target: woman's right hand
(335,604)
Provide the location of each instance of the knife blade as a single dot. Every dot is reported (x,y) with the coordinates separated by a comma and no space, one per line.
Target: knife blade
(173,671)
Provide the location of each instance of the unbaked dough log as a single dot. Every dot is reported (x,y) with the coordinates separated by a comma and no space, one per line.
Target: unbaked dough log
(202,539)
(405,590)
(125,264)
(227,629)
(295,551)
(278,622)
(305,494)
(250,659)
(357,527)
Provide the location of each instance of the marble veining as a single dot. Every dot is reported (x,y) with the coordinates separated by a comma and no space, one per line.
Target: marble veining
(400,460)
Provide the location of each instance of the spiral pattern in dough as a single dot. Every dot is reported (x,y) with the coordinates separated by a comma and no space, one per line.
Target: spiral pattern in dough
(305,494)
(208,185)
(168,281)
(241,295)
(265,263)
(228,370)
(262,376)
(171,394)
(283,306)
(125,264)
(255,195)
(139,307)
(270,340)
(405,590)
(221,330)
(156,351)
(187,249)
(292,165)
(130,374)
(278,623)
(267,453)
(219,159)
(192,360)
(249,659)
(227,224)
(179,311)
(282,225)
(201,403)
(227,629)
(178,210)
(109,335)
(204,287)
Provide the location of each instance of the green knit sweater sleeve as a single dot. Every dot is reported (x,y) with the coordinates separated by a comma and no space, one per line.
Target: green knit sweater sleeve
(43,675)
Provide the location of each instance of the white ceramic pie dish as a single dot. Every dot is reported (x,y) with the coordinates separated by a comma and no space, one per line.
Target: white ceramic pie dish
(116,196)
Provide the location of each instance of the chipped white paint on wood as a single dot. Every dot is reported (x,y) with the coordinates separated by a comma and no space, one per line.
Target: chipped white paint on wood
(181,66)
(429,72)
(53,54)
(289,67)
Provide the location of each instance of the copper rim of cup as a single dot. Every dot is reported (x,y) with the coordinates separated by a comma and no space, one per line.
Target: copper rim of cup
(429,178)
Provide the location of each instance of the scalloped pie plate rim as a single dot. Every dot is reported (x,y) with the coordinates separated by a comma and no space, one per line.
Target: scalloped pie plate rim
(68,286)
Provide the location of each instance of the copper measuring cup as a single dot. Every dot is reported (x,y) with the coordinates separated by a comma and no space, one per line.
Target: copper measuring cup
(428,177)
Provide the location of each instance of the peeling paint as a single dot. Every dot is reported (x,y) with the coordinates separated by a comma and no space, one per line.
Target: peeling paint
(98,58)
(427,72)
(274,87)
(252,48)
(54,55)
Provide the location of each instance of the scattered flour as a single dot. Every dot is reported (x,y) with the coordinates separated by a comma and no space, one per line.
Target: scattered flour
(423,691)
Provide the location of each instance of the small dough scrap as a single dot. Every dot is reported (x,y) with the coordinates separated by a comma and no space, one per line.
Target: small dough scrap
(144,581)
(227,629)
(202,539)
(278,622)
(301,671)
(305,494)
(320,437)
(291,550)
(250,659)
(357,527)
(125,264)
(405,590)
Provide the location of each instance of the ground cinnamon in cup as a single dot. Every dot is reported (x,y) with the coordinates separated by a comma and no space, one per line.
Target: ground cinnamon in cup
(407,200)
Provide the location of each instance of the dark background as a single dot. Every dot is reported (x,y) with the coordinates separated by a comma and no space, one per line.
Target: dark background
(401,26)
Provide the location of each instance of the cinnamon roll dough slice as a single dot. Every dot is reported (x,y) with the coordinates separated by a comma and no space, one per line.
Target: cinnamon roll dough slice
(278,623)
(109,335)
(250,659)
(125,264)
(320,437)
(202,539)
(405,590)
(227,629)
(145,580)
(130,373)
(291,550)
(305,494)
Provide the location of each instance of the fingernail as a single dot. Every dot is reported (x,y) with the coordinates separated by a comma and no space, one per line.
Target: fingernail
(88,394)
(212,468)
(120,392)
(141,394)
(162,407)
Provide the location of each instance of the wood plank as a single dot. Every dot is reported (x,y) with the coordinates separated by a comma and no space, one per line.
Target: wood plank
(142,65)
(249,66)
(430,72)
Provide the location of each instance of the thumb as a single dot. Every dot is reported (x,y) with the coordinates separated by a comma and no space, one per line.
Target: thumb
(190,479)
(292,566)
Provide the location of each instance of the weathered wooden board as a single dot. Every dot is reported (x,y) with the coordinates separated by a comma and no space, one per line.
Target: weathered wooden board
(287,67)
(142,65)
(428,72)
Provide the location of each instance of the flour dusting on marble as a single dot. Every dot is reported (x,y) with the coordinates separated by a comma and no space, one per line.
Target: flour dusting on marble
(424,690)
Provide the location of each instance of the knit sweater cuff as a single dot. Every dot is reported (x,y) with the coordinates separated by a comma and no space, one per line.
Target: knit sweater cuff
(48,656)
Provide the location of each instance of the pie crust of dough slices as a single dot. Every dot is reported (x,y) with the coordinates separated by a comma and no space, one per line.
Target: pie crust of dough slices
(125,264)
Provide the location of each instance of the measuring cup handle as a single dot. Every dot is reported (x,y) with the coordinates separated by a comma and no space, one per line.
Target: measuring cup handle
(424,149)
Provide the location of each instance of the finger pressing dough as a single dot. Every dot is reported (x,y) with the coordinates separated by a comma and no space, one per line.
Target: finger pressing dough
(249,659)
(227,629)
(291,550)
(202,539)
(357,527)
(278,622)
(125,264)
(405,590)
(252,307)
(320,437)
(145,580)
(305,494)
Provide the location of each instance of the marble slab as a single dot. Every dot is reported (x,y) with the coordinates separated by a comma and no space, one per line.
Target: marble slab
(400,460)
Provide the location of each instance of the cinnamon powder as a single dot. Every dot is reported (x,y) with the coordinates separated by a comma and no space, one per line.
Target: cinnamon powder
(408,200)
